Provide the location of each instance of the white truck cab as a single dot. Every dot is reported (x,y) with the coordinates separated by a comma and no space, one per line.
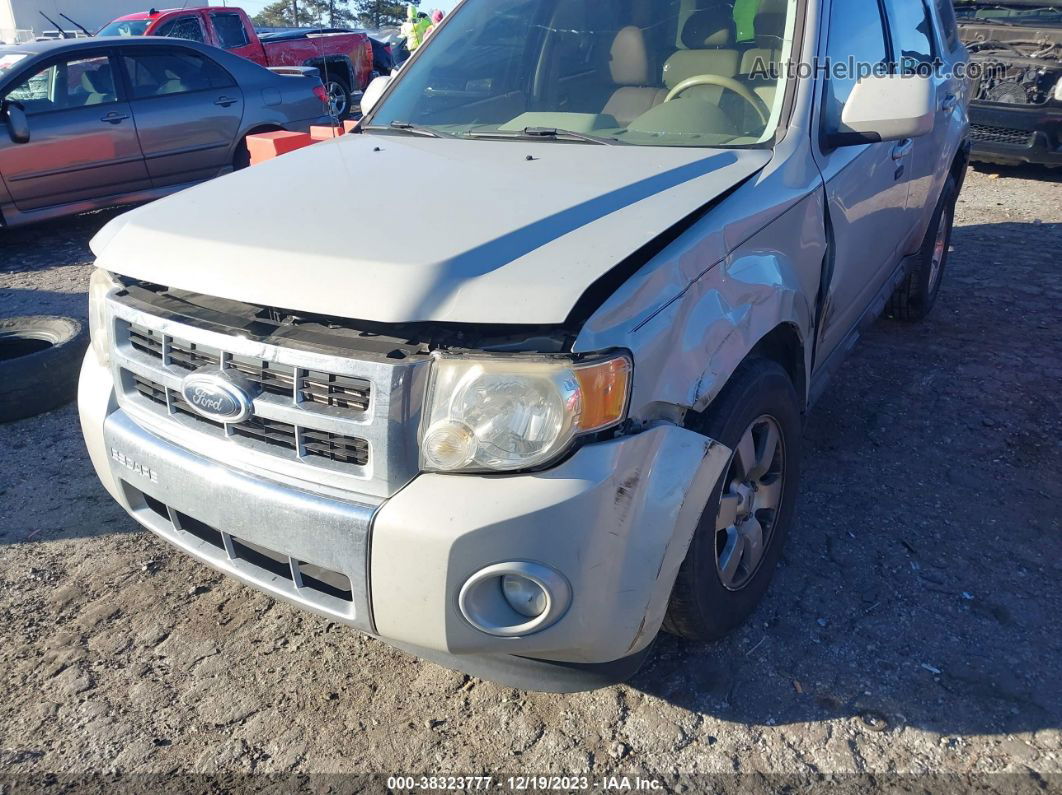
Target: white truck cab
(554,403)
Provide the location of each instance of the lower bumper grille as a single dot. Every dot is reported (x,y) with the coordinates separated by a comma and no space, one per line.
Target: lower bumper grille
(301,575)
(1001,135)
(301,442)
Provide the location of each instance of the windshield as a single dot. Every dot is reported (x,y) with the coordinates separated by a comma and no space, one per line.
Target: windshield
(1044,12)
(8,60)
(647,72)
(128,27)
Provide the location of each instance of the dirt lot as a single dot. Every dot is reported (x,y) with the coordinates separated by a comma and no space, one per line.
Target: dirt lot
(913,627)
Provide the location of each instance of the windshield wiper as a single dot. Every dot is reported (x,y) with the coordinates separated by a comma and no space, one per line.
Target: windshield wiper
(408,127)
(546,133)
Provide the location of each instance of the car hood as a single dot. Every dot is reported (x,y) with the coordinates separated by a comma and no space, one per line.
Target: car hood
(391,228)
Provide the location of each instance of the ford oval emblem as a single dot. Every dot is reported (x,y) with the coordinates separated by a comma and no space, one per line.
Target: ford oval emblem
(218,396)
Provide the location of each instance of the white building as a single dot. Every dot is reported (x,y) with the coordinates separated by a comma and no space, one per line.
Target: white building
(20,20)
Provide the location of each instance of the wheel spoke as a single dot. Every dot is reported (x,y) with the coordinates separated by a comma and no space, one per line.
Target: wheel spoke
(752,531)
(727,515)
(765,453)
(769,495)
(730,557)
(745,454)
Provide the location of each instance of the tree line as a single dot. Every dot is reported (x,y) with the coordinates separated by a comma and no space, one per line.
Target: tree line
(330,13)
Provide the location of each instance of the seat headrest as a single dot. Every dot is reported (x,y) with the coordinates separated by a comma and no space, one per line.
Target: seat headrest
(770,22)
(710,27)
(98,81)
(629,62)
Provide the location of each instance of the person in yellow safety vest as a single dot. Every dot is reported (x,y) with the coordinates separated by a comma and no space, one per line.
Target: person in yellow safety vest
(415,29)
(436,18)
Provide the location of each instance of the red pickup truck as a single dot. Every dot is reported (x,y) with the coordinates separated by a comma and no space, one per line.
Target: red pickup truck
(343,58)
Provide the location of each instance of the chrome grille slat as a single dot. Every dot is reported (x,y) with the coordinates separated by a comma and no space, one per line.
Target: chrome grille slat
(333,422)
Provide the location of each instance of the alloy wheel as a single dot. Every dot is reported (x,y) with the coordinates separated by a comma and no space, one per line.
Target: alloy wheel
(337,98)
(749,503)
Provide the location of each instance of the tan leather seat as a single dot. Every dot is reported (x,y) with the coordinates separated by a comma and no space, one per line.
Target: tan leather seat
(770,32)
(629,64)
(708,37)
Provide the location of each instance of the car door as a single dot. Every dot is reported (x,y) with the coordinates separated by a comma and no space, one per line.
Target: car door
(915,49)
(231,34)
(866,185)
(188,111)
(83,144)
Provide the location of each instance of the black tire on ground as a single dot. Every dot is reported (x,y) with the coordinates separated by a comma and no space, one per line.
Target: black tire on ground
(701,607)
(339,94)
(40,358)
(242,158)
(917,293)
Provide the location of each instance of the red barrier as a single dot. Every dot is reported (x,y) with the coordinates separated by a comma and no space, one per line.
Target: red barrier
(321,132)
(266,146)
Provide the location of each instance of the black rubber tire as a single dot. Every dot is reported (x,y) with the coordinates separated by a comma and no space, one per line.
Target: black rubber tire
(700,607)
(916,297)
(40,358)
(242,158)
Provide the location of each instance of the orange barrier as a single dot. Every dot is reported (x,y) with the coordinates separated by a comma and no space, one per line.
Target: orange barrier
(266,146)
(321,132)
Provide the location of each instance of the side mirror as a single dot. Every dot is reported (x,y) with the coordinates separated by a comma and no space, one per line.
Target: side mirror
(373,92)
(887,108)
(17,123)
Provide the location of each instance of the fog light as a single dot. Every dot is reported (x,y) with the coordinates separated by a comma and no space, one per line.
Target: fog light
(514,599)
(524,596)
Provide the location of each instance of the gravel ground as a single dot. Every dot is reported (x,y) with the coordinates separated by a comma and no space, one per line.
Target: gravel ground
(912,629)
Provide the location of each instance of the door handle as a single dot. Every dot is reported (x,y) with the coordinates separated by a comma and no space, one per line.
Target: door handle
(949,103)
(902,149)
(225,101)
(115,118)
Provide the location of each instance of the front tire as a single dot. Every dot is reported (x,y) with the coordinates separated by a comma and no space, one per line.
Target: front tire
(917,293)
(737,543)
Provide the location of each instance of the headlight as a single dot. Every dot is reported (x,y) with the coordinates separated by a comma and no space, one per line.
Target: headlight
(500,414)
(101,285)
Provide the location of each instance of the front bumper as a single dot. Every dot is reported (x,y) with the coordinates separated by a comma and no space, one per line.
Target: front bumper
(615,519)
(1012,134)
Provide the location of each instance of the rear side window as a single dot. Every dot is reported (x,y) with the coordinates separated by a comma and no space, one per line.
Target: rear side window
(912,34)
(230,30)
(187,27)
(161,73)
(857,36)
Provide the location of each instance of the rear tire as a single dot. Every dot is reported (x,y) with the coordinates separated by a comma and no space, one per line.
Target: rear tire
(40,358)
(714,593)
(917,293)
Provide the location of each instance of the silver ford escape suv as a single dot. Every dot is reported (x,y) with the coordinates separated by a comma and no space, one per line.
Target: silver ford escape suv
(553,404)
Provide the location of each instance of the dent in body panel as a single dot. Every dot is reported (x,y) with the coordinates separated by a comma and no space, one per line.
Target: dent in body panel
(690,330)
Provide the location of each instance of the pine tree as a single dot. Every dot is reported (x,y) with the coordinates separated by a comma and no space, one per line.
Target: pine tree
(378,13)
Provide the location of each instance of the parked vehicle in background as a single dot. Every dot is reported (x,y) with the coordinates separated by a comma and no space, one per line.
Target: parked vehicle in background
(94,122)
(1016,112)
(566,411)
(344,58)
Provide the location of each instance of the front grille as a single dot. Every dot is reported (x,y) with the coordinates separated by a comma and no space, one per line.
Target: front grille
(1001,135)
(329,414)
(344,394)
(301,575)
(298,441)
